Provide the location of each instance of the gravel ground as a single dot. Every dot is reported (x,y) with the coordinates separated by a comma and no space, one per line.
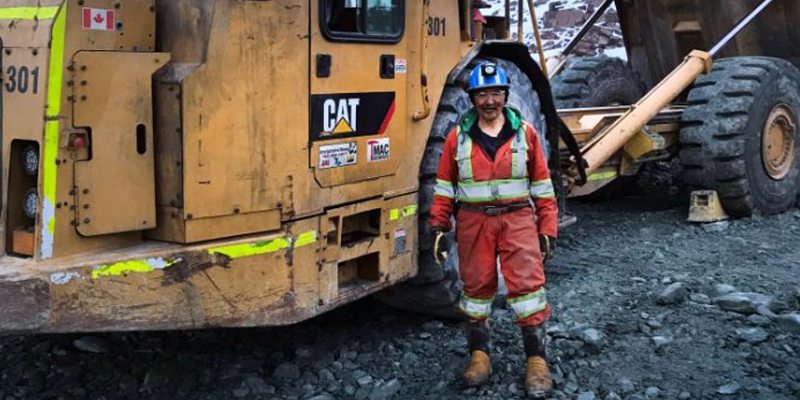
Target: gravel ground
(645,306)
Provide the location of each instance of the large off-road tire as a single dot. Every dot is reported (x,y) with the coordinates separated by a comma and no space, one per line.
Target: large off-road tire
(436,290)
(596,82)
(739,134)
(599,82)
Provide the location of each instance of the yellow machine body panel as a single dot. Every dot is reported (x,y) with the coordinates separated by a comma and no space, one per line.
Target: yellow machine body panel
(196,163)
(241,136)
(112,96)
(358,102)
(38,49)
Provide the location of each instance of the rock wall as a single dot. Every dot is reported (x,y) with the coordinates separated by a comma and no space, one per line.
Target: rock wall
(560,20)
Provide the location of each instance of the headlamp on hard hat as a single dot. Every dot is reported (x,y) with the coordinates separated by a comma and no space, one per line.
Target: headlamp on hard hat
(487,75)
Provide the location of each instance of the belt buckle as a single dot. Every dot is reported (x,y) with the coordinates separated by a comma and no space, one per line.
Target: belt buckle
(493,211)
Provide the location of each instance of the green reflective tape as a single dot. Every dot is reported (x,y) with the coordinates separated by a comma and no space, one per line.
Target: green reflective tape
(52,130)
(599,176)
(500,189)
(486,199)
(251,249)
(444,188)
(532,295)
(30,13)
(512,184)
(409,211)
(526,309)
(542,189)
(529,304)
(125,267)
(543,182)
(464,157)
(519,155)
(476,308)
(235,251)
(56,76)
(305,238)
(477,301)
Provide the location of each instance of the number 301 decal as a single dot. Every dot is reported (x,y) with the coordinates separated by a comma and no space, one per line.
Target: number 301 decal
(437,26)
(22,79)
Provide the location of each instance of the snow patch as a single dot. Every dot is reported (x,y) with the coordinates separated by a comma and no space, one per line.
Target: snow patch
(553,46)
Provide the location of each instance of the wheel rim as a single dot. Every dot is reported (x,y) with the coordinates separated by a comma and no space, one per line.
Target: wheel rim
(777,142)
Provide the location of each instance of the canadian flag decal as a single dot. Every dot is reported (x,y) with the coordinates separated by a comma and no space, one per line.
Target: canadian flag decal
(98,19)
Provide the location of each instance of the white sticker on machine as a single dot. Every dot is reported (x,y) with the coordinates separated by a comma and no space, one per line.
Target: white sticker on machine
(399,240)
(377,150)
(338,155)
(400,66)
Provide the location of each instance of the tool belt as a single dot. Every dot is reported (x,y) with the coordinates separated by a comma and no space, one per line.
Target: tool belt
(495,210)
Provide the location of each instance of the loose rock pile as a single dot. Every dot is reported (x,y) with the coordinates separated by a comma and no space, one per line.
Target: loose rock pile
(562,17)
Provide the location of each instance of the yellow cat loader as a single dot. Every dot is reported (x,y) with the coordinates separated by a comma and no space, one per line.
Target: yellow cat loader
(208,163)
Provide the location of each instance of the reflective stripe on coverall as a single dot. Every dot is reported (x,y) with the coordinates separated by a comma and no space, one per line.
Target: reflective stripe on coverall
(517,174)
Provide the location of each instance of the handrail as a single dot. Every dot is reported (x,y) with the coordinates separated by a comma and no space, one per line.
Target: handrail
(739,26)
(508,17)
(520,15)
(538,35)
(423,79)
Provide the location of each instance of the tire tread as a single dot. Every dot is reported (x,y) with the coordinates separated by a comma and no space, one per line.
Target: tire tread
(714,150)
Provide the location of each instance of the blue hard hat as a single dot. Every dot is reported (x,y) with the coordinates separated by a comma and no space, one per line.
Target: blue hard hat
(487,75)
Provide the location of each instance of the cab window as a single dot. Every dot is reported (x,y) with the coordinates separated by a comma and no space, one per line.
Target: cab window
(363,20)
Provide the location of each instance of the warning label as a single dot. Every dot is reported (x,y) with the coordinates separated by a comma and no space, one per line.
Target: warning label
(377,150)
(338,155)
(400,66)
(399,241)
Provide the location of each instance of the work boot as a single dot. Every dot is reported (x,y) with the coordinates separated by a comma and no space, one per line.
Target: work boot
(479,368)
(538,383)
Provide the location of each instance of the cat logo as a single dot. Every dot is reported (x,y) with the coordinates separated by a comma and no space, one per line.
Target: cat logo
(340,115)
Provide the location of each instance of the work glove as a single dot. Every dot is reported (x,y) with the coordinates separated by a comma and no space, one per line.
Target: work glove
(441,244)
(547,244)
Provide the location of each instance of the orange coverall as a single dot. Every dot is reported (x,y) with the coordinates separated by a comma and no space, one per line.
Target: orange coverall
(467,176)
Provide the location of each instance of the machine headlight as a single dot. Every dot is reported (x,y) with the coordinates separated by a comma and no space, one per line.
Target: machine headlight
(30,160)
(29,203)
